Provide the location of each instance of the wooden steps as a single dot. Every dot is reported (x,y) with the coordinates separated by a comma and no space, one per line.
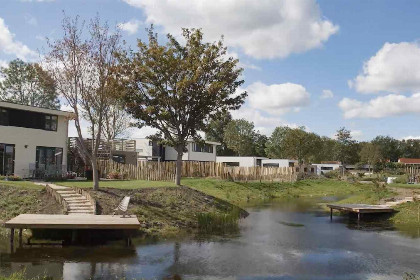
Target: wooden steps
(76,203)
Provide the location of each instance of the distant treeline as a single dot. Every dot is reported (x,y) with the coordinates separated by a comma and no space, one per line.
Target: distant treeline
(239,137)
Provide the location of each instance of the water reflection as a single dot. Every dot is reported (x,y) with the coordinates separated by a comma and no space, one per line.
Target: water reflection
(269,246)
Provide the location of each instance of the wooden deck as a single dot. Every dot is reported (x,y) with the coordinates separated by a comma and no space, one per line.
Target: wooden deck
(360,208)
(36,221)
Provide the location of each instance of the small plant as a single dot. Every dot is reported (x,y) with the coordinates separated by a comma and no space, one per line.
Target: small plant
(12,178)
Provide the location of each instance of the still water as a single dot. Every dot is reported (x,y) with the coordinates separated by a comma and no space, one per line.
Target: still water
(278,240)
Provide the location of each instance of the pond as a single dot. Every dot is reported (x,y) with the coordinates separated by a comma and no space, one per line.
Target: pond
(291,239)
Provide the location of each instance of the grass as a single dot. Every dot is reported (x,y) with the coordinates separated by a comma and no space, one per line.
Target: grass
(406,186)
(119,184)
(241,192)
(21,184)
(215,222)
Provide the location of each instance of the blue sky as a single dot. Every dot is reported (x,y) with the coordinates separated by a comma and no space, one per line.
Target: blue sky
(298,55)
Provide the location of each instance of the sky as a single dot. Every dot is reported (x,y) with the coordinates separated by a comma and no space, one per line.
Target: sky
(320,64)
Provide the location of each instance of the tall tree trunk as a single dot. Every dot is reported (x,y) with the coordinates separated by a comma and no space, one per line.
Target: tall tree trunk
(95,173)
(180,151)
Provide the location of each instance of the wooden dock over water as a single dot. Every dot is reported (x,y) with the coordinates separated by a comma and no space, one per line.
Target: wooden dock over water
(73,222)
(359,209)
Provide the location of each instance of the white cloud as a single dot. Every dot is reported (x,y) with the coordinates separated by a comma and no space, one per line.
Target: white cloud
(131,27)
(142,132)
(394,68)
(30,19)
(380,107)
(356,134)
(410,137)
(326,93)
(262,29)
(9,45)
(277,98)
(3,63)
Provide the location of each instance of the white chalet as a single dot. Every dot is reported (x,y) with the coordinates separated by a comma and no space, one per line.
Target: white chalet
(33,140)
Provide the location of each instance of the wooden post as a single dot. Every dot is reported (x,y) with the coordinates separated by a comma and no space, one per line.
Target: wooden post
(12,238)
(331,212)
(20,237)
(358,216)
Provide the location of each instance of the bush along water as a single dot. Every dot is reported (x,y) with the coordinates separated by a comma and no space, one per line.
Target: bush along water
(219,223)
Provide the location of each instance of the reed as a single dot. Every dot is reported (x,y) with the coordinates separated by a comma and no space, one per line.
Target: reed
(216,222)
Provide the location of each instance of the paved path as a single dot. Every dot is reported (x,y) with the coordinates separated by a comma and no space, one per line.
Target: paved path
(77,203)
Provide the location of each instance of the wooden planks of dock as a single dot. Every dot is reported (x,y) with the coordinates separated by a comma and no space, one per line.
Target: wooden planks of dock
(359,208)
(32,221)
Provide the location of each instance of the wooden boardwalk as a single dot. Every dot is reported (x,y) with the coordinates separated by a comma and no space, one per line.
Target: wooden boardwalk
(73,222)
(359,209)
(31,221)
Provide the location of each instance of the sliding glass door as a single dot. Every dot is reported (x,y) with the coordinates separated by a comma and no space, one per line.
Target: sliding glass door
(7,159)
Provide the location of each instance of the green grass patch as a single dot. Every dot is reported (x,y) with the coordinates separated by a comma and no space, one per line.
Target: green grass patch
(216,222)
(21,184)
(118,184)
(406,186)
(368,194)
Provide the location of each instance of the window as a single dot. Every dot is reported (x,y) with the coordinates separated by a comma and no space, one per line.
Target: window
(51,122)
(326,168)
(150,143)
(231,163)
(48,156)
(7,159)
(4,117)
(28,119)
(206,148)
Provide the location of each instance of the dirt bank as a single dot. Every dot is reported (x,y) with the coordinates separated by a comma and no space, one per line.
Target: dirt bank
(15,200)
(163,211)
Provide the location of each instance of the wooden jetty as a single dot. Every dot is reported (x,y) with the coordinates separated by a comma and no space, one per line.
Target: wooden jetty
(74,222)
(359,209)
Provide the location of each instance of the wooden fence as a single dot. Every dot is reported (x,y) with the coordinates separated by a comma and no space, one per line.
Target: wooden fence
(165,171)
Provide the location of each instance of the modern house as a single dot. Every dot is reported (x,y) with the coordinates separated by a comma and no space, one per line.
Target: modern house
(255,161)
(241,161)
(323,168)
(151,150)
(33,140)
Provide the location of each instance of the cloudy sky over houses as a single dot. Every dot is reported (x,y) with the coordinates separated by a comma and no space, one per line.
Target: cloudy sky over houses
(319,64)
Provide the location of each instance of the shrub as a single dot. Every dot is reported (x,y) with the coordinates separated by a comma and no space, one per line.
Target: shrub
(115,175)
(334,174)
(214,222)
(13,178)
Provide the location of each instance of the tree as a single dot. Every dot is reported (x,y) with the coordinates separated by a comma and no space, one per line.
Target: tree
(276,142)
(28,84)
(345,143)
(409,148)
(390,147)
(300,145)
(215,132)
(260,140)
(240,136)
(179,88)
(82,70)
(370,154)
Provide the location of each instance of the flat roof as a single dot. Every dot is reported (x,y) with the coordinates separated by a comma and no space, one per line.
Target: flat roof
(76,221)
(11,105)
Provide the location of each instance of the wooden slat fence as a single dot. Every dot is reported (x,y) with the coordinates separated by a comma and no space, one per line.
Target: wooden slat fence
(165,171)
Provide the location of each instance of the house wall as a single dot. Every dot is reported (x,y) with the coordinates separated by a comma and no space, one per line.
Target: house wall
(280,162)
(142,147)
(20,137)
(171,154)
(243,161)
(319,166)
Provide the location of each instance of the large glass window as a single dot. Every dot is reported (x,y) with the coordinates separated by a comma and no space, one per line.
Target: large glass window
(206,148)
(7,159)
(28,119)
(4,117)
(48,156)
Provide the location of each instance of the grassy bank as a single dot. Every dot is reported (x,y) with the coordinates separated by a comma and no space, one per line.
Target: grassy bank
(18,197)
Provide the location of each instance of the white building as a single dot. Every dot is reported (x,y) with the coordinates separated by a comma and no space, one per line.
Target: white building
(323,168)
(32,139)
(151,150)
(279,162)
(255,161)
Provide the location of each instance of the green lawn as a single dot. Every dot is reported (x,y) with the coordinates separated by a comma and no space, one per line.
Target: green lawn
(21,184)
(240,192)
(406,186)
(123,184)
